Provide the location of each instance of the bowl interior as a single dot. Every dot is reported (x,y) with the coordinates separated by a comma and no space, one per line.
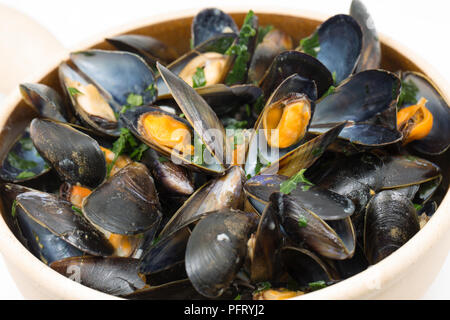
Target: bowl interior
(176,33)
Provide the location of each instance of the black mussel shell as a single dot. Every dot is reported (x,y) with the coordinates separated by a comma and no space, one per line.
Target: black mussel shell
(112,275)
(58,217)
(46,100)
(127,203)
(391,220)
(175,290)
(290,62)
(216,250)
(76,157)
(118,73)
(326,204)
(210,23)
(149,48)
(438,140)
(371,50)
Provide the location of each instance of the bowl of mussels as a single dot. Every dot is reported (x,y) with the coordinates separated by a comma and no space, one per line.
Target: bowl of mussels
(229,155)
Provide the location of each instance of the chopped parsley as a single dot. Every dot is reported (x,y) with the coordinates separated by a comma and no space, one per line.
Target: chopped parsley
(258,106)
(126,141)
(317,285)
(13,208)
(329,91)
(77,210)
(19,163)
(135,100)
(262,286)
(152,89)
(262,31)
(162,159)
(302,222)
(233,124)
(238,138)
(240,50)
(25,175)
(408,93)
(334,77)
(238,297)
(26,143)
(73,91)
(310,45)
(138,152)
(197,158)
(418,207)
(198,79)
(289,185)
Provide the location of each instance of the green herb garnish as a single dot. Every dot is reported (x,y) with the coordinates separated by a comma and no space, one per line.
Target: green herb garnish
(317,285)
(26,143)
(408,93)
(233,124)
(262,31)
(152,89)
(262,286)
(329,91)
(138,152)
(13,208)
(334,77)
(289,185)
(198,79)
(19,163)
(418,207)
(238,138)
(135,100)
(197,158)
(240,50)
(310,45)
(162,159)
(25,175)
(77,210)
(302,222)
(126,141)
(73,91)
(258,106)
(238,297)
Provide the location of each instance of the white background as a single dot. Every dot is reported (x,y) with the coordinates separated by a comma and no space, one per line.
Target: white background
(422,26)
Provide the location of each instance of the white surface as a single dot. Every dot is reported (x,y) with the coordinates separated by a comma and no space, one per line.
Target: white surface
(420,25)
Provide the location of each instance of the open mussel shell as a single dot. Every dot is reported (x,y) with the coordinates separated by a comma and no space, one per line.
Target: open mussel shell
(45,100)
(58,217)
(75,156)
(304,266)
(404,170)
(111,275)
(93,106)
(209,23)
(221,98)
(175,290)
(294,62)
(165,253)
(224,192)
(216,250)
(127,203)
(185,65)
(264,247)
(305,155)
(371,50)
(202,118)
(438,139)
(334,239)
(273,43)
(23,162)
(149,48)
(324,203)
(340,40)
(104,67)
(42,243)
(391,220)
(168,176)
(180,154)
(361,98)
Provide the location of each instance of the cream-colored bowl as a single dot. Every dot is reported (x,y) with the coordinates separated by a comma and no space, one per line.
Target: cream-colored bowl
(406,274)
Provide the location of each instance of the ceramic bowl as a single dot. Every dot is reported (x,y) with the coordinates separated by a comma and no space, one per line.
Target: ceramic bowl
(405,274)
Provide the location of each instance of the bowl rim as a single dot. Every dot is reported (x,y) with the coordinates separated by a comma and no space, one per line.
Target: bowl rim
(365,284)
